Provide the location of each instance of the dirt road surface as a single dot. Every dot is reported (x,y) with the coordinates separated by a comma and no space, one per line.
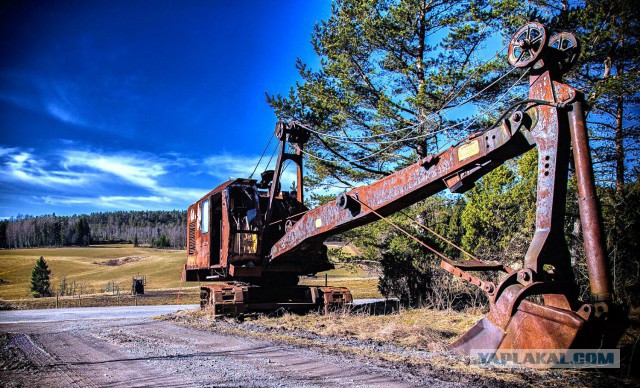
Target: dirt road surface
(114,347)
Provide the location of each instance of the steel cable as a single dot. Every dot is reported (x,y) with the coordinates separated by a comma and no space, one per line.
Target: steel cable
(438,235)
(406,138)
(261,156)
(385,219)
(437,113)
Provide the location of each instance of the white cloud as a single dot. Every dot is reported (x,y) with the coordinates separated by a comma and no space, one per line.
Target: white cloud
(64,114)
(22,166)
(182,193)
(140,171)
(97,179)
(57,98)
(232,166)
(7,150)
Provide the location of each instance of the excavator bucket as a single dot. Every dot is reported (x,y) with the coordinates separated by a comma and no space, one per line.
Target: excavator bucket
(514,323)
(533,326)
(542,327)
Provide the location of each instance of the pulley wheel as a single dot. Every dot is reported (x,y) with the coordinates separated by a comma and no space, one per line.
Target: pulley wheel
(527,44)
(568,47)
(281,130)
(288,225)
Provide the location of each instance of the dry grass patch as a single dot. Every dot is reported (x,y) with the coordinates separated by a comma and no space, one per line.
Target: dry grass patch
(360,288)
(346,271)
(417,328)
(94,266)
(7,305)
(361,280)
(338,248)
(120,261)
(411,329)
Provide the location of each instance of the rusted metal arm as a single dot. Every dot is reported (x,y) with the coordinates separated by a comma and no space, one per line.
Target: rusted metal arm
(456,168)
(588,205)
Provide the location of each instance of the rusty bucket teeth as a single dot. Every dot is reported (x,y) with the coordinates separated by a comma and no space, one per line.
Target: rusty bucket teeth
(484,335)
(532,326)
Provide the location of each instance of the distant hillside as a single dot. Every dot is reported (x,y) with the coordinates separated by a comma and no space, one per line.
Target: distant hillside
(155,228)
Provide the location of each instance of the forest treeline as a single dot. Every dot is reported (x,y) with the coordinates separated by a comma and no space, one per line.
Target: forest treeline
(162,229)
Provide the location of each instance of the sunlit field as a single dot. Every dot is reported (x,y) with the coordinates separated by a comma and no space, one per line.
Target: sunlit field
(93,267)
(87,266)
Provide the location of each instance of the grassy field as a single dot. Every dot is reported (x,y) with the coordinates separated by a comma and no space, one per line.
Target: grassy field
(95,266)
(88,266)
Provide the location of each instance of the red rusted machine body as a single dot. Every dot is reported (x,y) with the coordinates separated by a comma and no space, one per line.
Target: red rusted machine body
(230,232)
(227,232)
(256,234)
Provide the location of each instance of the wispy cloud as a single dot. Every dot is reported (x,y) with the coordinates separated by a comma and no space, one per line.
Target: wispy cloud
(63,114)
(183,193)
(138,170)
(237,166)
(111,201)
(7,150)
(133,180)
(23,166)
(57,98)
(230,166)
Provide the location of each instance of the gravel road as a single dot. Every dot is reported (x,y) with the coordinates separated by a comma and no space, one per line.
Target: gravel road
(125,346)
(83,313)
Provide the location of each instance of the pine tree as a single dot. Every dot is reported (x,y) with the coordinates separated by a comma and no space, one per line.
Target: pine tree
(387,66)
(40,282)
(499,217)
(607,71)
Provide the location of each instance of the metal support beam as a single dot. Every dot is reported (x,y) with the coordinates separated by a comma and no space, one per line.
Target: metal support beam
(588,205)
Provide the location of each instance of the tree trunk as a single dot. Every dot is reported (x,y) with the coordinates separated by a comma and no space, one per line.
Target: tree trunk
(619,155)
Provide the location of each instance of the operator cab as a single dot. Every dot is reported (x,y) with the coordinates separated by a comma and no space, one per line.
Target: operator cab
(224,231)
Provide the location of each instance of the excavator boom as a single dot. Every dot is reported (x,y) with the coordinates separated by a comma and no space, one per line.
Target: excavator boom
(455,168)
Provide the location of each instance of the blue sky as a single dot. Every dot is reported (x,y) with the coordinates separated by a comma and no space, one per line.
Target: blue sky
(140,105)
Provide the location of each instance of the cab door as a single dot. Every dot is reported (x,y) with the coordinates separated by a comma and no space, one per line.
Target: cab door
(198,236)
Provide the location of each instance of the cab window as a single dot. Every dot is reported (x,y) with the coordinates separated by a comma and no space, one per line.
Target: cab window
(204,228)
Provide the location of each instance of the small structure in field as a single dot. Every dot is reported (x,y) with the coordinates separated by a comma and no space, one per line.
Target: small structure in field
(137,284)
